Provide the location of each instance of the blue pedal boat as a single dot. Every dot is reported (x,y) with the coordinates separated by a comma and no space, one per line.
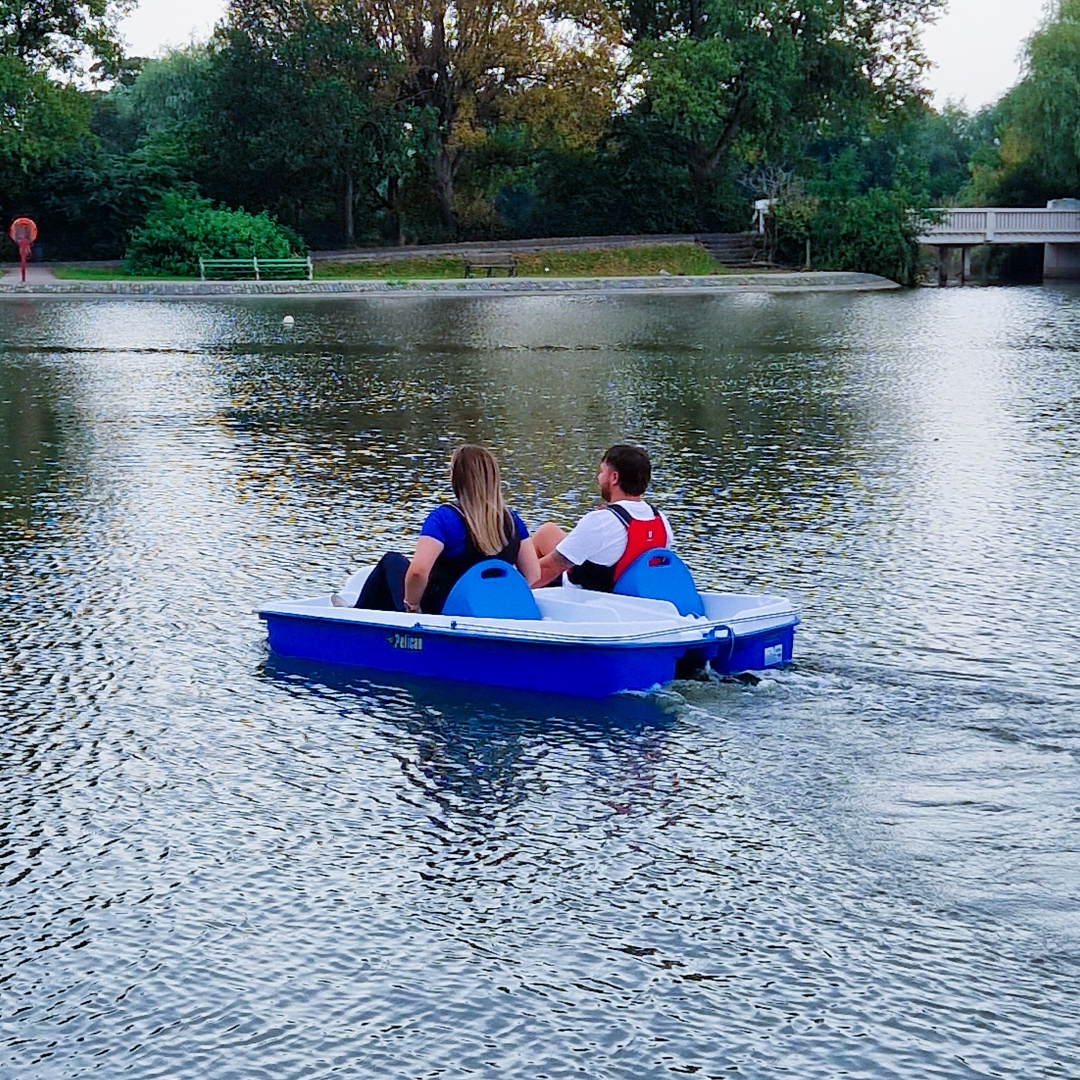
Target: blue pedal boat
(495,630)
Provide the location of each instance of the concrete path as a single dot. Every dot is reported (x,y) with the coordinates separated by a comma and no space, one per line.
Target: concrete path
(714,284)
(475,286)
(36,274)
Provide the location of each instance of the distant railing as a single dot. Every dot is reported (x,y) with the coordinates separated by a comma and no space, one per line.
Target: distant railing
(1035,225)
(255,269)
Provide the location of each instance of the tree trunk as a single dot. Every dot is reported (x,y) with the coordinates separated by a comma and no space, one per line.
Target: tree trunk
(350,221)
(704,159)
(393,213)
(697,20)
(444,189)
(701,173)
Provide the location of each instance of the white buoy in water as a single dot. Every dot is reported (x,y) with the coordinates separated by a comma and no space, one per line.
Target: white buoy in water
(288,320)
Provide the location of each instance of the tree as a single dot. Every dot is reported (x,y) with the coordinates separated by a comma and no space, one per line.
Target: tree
(1046,105)
(549,65)
(63,35)
(634,182)
(916,150)
(89,201)
(164,106)
(292,107)
(40,121)
(310,100)
(758,75)
(1031,149)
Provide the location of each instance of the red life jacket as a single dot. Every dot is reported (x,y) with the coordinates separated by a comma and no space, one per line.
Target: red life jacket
(641,536)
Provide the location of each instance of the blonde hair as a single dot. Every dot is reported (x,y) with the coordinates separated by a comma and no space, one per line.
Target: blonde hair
(474,474)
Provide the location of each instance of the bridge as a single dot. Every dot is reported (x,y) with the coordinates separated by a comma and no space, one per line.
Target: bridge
(1056,227)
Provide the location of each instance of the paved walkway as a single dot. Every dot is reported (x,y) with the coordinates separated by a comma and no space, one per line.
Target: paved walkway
(36,274)
(718,283)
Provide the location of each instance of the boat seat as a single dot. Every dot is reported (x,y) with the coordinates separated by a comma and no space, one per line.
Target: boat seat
(661,575)
(492,589)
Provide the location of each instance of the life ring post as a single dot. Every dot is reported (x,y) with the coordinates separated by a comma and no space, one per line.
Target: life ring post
(23,231)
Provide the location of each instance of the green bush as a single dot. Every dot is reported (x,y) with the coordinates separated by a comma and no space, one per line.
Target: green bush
(185,227)
(874,233)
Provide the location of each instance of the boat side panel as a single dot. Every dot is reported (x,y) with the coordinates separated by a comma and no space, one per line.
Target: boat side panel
(585,671)
(755,652)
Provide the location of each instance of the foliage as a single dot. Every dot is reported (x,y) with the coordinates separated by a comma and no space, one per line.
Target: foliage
(750,77)
(168,95)
(931,151)
(42,119)
(310,99)
(63,35)
(40,123)
(916,150)
(1031,147)
(39,119)
(635,182)
(293,108)
(185,228)
(1045,126)
(475,64)
(396,120)
(872,233)
(87,203)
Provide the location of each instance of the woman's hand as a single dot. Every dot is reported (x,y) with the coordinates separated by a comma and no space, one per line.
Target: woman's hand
(428,550)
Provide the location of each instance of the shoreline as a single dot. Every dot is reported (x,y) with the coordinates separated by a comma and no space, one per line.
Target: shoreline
(795,281)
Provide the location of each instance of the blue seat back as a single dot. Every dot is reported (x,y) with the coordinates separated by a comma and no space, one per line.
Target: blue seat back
(661,575)
(492,589)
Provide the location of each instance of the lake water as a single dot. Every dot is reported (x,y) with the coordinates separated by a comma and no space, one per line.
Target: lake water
(217,865)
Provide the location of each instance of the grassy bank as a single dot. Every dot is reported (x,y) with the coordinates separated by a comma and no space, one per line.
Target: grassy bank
(675,259)
(689,259)
(95,273)
(643,261)
(432,268)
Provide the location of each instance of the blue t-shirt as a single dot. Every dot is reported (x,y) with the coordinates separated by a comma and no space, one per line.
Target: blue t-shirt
(447,526)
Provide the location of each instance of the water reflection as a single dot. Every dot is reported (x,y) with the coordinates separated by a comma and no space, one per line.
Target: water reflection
(471,746)
(30,436)
(739,435)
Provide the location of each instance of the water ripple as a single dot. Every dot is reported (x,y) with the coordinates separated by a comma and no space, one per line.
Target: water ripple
(216,863)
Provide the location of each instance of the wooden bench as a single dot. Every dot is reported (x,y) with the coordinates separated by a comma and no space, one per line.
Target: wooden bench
(255,269)
(506,262)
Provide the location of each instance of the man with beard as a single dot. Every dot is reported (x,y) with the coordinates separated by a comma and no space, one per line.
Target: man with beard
(603,544)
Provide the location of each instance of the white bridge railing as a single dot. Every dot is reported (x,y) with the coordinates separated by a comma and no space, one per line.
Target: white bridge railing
(961,228)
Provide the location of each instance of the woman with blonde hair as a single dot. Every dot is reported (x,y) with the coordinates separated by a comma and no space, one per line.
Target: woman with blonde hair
(453,538)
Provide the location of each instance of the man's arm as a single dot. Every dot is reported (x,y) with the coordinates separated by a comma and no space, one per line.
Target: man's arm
(551,566)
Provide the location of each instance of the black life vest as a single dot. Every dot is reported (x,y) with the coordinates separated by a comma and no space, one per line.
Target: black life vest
(447,569)
(641,536)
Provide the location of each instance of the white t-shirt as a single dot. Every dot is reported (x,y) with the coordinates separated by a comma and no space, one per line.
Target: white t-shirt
(600,537)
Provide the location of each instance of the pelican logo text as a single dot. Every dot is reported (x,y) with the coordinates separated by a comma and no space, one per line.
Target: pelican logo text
(408,642)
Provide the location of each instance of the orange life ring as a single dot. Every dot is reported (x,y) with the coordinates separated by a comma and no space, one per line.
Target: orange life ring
(23,230)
